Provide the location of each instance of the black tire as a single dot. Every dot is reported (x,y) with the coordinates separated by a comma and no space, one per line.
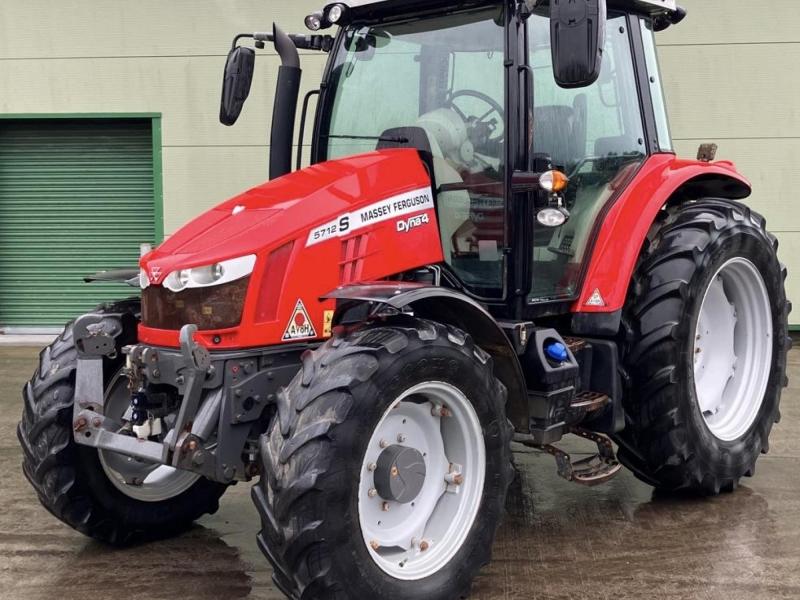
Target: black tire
(308,501)
(68,478)
(666,442)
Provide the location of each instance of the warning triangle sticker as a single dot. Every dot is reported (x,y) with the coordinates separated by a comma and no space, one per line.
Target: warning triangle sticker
(300,325)
(596,299)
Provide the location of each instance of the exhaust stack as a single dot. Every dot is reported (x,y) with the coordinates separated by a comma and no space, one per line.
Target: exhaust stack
(285,108)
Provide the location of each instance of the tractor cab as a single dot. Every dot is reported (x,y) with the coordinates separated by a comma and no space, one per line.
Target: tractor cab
(493,94)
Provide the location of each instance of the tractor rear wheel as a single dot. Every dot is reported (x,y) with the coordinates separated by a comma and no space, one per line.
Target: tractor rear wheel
(386,467)
(707,338)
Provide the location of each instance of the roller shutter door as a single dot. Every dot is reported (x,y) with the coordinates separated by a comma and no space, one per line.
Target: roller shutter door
(76,197)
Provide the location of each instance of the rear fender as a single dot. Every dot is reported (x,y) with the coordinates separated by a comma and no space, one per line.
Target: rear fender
(662,181)
(359,302)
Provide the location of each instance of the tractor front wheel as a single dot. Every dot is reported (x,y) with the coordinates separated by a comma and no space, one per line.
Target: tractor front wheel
(386,467)
(706,326)
(84,487)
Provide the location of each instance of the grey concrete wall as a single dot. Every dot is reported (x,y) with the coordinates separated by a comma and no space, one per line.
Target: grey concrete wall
(730,70)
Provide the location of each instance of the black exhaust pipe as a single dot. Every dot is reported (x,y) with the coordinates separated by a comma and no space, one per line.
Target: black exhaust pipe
(285,109)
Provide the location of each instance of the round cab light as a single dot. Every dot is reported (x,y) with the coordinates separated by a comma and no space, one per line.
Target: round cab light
(552,217)
(335,13)
(553,181)
(314,22)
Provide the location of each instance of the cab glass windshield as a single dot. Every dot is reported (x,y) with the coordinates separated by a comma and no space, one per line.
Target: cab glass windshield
(444,75)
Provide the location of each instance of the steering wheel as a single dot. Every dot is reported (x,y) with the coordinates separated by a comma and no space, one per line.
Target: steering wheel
(485,133)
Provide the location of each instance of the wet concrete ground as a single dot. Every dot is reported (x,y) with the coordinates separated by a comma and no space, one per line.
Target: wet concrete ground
(559,540)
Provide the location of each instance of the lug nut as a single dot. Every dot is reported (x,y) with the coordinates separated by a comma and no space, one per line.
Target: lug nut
(401,438)
(372,492)
(375,545)
(441,411)
(424,546)
(384,444)
(385,507)
(372,467)
(454,478)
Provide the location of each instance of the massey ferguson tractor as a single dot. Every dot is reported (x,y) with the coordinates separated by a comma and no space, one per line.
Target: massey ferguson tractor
(494,243)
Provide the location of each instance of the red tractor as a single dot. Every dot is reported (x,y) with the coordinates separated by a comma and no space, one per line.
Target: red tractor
(494,242)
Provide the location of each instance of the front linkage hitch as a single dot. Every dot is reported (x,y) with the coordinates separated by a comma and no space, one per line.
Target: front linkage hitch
(221,400)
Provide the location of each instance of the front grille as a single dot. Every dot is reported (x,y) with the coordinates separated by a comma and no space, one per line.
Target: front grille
(215,307)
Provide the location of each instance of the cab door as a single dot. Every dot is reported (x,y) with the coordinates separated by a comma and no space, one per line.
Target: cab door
(596,135)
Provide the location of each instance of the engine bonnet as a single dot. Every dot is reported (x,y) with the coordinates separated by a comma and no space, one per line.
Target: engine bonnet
(268,215)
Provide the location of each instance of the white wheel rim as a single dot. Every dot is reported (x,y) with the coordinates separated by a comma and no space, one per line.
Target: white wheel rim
(733,349)
(415,540)
(154,483)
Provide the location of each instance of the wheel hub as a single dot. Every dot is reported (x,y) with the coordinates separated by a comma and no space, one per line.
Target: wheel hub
(733,349)
(400,474)
(419,496)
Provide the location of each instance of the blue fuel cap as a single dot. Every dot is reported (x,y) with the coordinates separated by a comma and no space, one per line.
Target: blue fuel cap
(556,351)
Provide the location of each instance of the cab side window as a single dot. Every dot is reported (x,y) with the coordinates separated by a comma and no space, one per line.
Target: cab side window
(596,136)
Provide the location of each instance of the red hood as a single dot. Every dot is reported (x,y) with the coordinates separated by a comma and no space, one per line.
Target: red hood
(286,208)
(357,219)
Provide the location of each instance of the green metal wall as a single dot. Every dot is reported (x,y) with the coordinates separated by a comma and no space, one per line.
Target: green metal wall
(76,196)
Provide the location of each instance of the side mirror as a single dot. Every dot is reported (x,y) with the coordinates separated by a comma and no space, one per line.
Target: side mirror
(577,37)
(236,83)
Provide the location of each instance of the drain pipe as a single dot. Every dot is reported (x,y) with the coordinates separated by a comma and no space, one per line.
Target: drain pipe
(285,108)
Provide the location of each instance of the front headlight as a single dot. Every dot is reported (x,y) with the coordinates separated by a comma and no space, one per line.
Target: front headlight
(209,275)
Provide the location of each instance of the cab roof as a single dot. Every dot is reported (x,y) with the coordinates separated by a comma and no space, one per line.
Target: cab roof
(378,9)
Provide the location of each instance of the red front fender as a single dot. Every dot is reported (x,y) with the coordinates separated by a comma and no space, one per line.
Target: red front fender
(629,219)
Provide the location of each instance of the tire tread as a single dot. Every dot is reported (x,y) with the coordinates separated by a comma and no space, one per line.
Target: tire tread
(655,444)
(295,455)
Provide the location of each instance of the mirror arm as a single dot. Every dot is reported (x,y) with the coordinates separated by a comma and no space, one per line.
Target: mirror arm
(242,36)
(321,43)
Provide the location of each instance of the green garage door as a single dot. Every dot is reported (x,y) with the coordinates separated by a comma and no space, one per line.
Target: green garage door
(76,197)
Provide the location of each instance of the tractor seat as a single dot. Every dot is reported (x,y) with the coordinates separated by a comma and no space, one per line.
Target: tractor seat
(553,134)
(560,131)
(453,207)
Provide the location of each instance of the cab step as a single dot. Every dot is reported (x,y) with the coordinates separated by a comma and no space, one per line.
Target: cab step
(589,402)
(593,470)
